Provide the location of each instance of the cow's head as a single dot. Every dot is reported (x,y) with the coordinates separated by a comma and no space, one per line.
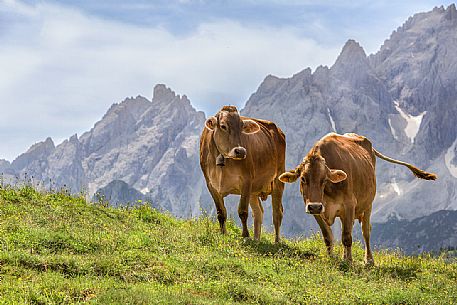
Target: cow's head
(313,174)
(227,127)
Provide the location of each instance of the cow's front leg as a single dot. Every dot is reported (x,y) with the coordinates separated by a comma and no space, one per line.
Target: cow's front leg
(220,208)
(327,233)
(243,209)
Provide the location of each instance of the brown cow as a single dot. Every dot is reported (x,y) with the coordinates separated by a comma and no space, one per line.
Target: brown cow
(250,156)
(337,179)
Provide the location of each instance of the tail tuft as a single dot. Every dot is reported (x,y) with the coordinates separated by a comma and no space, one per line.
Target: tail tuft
(422,174)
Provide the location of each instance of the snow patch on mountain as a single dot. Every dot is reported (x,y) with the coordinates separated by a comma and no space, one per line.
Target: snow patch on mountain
(449,157)
(392,129)
(144,191)
(395,186)
(413,122)
(332,121)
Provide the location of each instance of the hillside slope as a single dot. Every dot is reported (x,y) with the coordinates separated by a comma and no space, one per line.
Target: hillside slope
(60,249)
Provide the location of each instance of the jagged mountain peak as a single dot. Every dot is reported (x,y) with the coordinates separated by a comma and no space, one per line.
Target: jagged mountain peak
(162,93)
(451,12)
(135,106)
(74,139)
(351,61)
(47,144)
(352,65)
(352,46)
(306,73)
(37,151)
(268,85)
(352,53)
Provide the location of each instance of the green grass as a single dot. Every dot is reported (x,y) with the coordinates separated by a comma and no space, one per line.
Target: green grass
(57,249)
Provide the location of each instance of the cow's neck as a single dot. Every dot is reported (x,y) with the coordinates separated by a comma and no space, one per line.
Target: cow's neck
(213,148)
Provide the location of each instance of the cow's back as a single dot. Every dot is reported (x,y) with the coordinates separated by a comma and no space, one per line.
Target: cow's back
(354,155)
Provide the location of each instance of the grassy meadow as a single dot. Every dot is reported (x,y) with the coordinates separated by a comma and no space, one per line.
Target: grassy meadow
(60,249)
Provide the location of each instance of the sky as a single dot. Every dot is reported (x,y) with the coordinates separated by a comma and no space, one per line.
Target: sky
(63,63)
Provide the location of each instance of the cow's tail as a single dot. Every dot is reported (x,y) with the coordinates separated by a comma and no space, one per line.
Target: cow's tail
(416,171)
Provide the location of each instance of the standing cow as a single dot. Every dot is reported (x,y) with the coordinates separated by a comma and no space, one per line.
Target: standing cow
(243,156)
(337,179)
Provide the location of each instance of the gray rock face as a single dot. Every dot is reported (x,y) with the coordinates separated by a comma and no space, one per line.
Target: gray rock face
(4,165)
(419,66)
(34,161)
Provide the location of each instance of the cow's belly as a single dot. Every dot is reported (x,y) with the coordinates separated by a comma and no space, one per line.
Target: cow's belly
(335,206)
(231,180)
(225,182)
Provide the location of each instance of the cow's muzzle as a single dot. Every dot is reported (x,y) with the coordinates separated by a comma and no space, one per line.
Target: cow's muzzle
(237,153)
(314,208)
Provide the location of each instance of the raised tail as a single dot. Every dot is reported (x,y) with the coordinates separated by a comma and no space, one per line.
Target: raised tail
(417,172)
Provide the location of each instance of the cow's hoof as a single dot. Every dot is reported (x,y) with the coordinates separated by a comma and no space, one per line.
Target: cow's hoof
(330,252)
(246,239)
(347,260)
(369,263)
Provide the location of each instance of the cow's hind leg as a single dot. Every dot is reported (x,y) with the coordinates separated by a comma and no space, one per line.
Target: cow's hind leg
(220,208)
(366,231)
(348,223)
(257,211)
(326,233)
(276,200)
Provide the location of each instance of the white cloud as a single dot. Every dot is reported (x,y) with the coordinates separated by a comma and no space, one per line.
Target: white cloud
(61,69)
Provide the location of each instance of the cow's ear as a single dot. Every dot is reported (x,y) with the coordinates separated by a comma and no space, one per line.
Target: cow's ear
(337,175)
(250,126)
(211,123)
(289,177)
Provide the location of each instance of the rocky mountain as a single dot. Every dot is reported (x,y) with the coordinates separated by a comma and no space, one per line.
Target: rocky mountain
(404,98)
(419,65)
(138,147)
(309,105)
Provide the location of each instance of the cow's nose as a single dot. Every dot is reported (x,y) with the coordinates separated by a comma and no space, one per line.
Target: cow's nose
(314,208)
(240,152)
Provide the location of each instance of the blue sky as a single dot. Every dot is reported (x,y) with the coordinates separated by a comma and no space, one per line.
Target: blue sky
(63,63)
